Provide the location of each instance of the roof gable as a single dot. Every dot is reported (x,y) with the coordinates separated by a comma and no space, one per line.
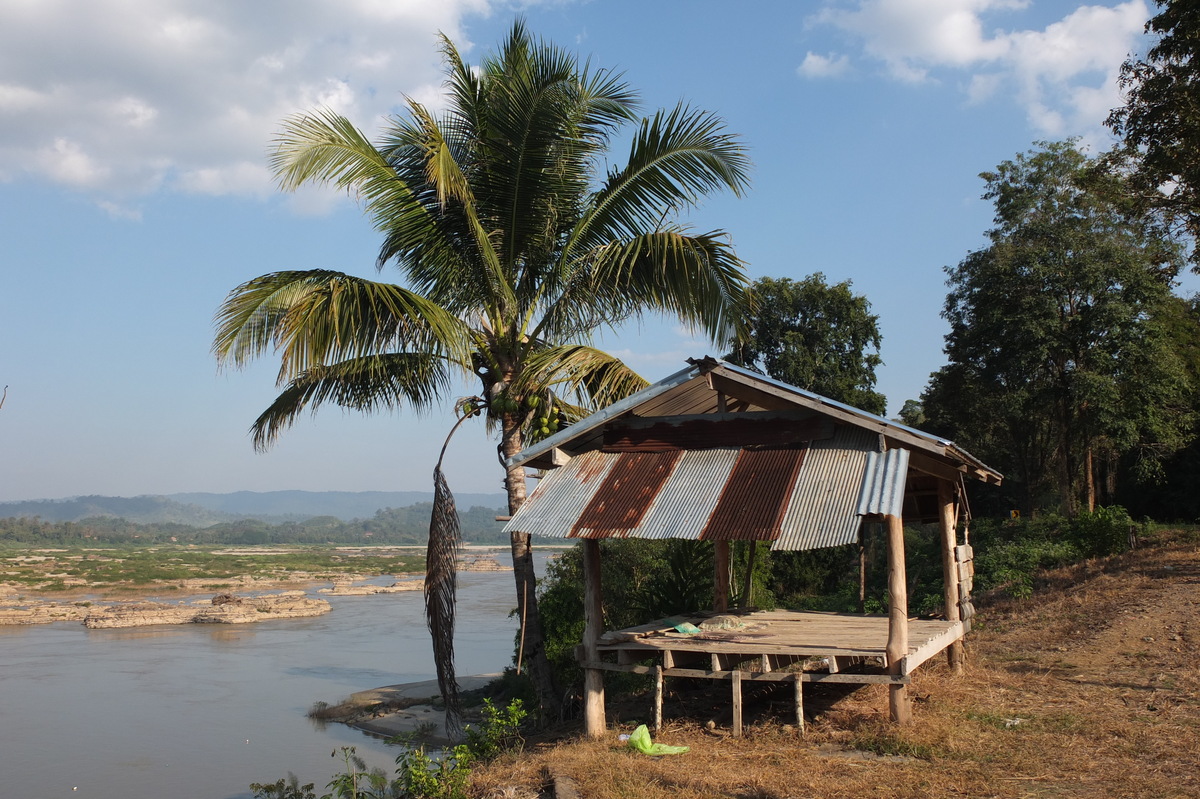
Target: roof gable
(720,391)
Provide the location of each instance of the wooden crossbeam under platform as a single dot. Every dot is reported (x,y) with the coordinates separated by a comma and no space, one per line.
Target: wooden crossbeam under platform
(762,645)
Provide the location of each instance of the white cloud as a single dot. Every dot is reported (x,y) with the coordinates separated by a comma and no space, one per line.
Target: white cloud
(244,178)
(816,65)
(1063,74)
(124,97)
(118,211)
(66,162)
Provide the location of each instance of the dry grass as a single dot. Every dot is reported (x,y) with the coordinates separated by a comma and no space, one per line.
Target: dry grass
(1089,689)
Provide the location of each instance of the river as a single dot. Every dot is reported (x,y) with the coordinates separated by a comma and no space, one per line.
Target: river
(201,711)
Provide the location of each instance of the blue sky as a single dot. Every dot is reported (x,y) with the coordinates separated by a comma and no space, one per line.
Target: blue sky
(134,194)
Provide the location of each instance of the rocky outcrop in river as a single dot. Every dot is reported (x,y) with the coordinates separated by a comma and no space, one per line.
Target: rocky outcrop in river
(222,610)
(22,612)
(365,589)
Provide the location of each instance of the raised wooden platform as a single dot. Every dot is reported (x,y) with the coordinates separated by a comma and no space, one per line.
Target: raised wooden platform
(768,645)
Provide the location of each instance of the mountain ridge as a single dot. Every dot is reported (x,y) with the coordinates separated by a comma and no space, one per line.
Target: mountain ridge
(204,509)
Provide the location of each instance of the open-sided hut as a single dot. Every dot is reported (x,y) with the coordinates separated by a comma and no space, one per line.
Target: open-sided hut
(719,453)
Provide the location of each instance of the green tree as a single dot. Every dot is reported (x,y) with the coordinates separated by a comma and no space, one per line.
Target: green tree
(912,413)
(1175,498)
(1160,120)
(815,336)
(514,246)
(1060,360)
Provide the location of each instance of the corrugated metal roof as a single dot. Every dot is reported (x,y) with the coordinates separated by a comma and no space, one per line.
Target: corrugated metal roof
(822,510)
(714,494)
(752,501)
(621,499)
(693,391)
(883,483)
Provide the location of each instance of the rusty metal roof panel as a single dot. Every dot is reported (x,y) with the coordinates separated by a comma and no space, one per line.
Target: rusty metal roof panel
(711,494)
(689,496)
(821,512)
(883,483)
(620,502)
(560,497)
(753,500)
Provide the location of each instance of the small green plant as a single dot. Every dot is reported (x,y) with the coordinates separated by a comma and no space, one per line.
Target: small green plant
(424,777)
(500,730)
(283,789)
(355,782)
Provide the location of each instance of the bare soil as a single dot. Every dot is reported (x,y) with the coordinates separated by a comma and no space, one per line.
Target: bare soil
(1091,688)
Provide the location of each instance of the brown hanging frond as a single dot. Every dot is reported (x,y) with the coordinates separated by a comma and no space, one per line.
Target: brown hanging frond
(441,556)
(441,576)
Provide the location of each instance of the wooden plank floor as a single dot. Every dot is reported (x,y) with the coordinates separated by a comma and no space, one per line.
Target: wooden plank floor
(795,633)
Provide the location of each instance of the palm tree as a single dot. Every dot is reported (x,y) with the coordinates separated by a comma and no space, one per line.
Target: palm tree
(513,250)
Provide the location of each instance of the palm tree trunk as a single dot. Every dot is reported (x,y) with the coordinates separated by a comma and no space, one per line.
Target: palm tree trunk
(533,643)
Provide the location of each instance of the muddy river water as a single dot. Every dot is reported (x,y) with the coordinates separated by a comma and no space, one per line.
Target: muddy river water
(201,711)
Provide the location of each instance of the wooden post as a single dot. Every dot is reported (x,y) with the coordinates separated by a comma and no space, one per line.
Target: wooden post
(949,525)
(897,643)
(658,699)
(862,567)
(720,576)
(593,679)
(736,678)
(800,702)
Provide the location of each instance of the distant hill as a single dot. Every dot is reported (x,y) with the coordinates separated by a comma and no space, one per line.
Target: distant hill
(345,505)
(205,510)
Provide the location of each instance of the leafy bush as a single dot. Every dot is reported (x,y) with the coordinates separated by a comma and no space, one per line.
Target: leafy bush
(1009,553)
(1105,531)
(499,732)
(424,777)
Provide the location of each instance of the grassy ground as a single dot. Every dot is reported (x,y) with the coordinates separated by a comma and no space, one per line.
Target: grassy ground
(165,568)
(1091,688)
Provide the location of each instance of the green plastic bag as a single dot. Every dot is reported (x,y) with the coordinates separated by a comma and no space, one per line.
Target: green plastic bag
(640,741)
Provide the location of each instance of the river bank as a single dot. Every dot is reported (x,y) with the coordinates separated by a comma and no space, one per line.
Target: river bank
(406,709)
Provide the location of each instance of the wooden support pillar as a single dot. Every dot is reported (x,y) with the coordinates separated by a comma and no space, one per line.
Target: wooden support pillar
(720,576)
(658,699)
(594,723)
(736,678)
(799,684)
(897,643)
(862,566)
(949,525)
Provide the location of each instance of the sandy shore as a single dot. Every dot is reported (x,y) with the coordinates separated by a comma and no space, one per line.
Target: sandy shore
(407,708)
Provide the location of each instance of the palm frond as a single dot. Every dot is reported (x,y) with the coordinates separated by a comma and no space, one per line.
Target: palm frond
(325,148)
(370,383)
(677,157)
(697,278)
(594,377)
(317,317)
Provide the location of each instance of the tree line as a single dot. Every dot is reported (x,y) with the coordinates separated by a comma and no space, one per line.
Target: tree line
(407,526)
